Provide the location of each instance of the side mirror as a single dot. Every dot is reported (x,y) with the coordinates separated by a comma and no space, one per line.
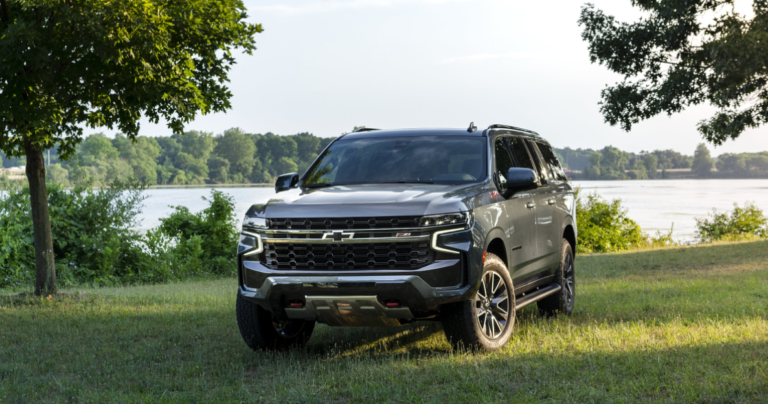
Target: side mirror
(519,179)
(286,182)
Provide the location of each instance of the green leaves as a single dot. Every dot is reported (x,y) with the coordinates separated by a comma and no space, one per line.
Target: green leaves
(94,242)
(605,227)
(671,60)
(65,64)
(744,223)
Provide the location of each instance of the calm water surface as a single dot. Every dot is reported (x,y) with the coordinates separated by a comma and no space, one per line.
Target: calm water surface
(655,205)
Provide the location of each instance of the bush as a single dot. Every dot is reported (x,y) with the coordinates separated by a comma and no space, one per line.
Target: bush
(744,223)
(604,227)
(92,240)
(94,243)
(214,228)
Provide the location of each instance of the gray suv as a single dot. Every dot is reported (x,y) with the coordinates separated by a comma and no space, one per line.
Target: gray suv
(388,227)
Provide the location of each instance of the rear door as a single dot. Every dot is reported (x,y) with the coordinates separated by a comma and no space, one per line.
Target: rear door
(545,198)
(542,215)
(518,220)
(558,181)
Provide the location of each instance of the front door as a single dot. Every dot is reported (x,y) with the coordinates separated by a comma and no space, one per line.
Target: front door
(518,216)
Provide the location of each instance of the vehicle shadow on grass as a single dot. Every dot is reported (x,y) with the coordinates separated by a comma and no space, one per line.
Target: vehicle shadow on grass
(416,339)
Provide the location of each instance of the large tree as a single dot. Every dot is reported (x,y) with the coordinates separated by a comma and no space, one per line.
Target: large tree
(238,149)
(678,56)
(702,161)
(70,64)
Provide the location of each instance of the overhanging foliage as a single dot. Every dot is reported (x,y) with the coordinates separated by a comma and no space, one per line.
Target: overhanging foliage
(674,58)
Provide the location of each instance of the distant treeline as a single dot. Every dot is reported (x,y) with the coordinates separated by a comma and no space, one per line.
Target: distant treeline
(237,157)
(233,156)
(611,163)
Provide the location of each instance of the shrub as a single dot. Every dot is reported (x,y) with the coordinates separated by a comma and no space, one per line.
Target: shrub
(94,242)
(215,229)
(604,227)
(744,223)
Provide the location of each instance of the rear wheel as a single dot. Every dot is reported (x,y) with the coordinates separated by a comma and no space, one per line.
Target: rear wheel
(261,330)
(485,322)
(565,276)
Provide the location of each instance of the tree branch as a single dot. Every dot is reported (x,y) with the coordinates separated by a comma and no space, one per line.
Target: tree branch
(6,12)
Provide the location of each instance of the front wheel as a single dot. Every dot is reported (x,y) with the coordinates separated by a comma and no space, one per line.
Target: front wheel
(565,276)
(485,322)
(261,330)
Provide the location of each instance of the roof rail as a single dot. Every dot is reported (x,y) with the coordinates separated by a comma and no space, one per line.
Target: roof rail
(498,126)
(364,129)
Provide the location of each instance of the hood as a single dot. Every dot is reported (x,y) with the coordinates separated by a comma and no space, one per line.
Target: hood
(367,200)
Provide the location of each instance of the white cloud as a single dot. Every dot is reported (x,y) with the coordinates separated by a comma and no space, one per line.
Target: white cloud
(333,5)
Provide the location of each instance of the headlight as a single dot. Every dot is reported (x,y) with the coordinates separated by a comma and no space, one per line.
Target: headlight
(448,218)
(255,222)
(250,243)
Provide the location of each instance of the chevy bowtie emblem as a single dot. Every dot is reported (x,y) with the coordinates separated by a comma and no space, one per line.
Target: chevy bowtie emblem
(338,236)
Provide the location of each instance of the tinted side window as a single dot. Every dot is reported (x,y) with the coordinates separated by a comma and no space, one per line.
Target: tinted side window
(542,169)
(521,153)
(503,161)
(550,159)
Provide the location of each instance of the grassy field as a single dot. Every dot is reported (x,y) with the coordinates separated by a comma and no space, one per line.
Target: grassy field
(674,325)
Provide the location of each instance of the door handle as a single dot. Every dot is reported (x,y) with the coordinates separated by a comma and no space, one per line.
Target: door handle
(530,205)
(551,201)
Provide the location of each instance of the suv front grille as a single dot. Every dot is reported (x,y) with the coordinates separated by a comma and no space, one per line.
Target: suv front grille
(333,257)
(345,223)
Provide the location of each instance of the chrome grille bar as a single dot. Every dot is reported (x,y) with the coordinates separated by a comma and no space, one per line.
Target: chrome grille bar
(367,240)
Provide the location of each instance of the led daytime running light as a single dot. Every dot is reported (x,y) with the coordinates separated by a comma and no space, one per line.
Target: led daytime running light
(259,245)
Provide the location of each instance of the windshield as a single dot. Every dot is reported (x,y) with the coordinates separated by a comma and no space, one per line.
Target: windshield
(423,159)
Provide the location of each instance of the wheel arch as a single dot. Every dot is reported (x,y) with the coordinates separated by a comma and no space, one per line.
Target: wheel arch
(570,234)
(495,245)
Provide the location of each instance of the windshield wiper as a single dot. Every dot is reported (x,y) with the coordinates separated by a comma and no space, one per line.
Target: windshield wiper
(318,185)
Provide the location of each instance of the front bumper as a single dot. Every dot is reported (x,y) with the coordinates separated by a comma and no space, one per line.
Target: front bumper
(359,299)
(421,300)
(359,296)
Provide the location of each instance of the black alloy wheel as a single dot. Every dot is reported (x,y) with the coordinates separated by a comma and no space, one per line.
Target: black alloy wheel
(492,305)
(569,283)
(565,276)
(486,321)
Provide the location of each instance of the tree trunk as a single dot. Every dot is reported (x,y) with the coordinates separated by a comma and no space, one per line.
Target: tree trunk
(44,264)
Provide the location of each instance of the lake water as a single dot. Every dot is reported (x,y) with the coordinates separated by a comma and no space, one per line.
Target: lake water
(655,205)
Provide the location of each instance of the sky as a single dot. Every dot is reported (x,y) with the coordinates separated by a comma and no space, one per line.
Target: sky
(326,66)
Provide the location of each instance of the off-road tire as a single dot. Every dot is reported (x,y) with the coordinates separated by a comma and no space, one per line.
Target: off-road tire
(461,320)
(565,276)
(259,331)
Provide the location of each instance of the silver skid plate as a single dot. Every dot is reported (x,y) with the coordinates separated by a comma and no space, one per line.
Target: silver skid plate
(349,311)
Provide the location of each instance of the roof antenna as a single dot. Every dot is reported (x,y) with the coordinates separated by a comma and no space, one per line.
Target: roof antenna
(472,127)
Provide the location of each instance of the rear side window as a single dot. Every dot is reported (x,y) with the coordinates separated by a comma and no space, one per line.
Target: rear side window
(550,159)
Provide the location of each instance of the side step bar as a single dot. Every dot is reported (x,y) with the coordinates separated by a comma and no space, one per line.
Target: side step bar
(537,295)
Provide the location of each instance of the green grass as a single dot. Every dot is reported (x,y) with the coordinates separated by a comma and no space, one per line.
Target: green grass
(671,325)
